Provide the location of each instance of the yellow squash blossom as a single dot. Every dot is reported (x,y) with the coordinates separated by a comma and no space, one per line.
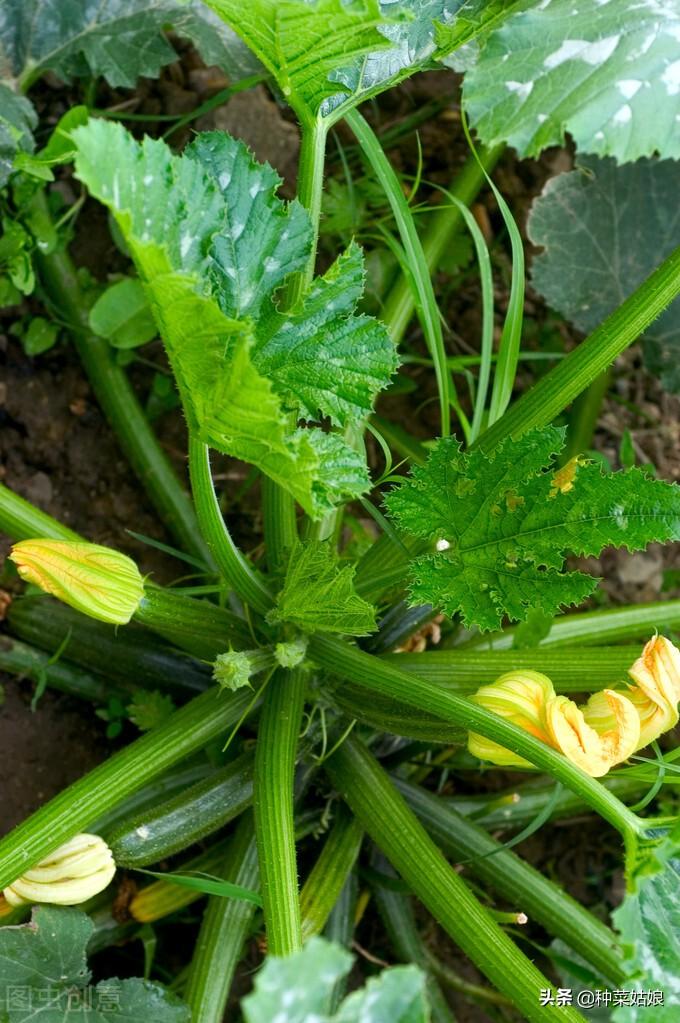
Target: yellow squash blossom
(657,691)
(611,726)
(73,873)
(98,581)
(593,741)
(519,697)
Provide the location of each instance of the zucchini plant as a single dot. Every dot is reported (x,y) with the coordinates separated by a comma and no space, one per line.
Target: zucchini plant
(291,747)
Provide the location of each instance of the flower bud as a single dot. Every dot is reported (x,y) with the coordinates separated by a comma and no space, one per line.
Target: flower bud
(98,581)
(604,733)
(519,697)
(657,674)
(73,873)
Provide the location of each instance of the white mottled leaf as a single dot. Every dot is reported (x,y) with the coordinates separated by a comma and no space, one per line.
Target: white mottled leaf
(606,71)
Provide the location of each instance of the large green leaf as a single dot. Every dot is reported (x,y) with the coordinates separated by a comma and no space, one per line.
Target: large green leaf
(300,987)
(504,524)
(323,357)
(648,921)
(603,229)
(329,55)
(607,71)
(213,243)
(319,595)
(44,977)
(116,39)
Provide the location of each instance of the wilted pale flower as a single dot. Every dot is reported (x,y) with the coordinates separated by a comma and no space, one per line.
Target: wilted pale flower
(73,873)
(611,726)
(657,674)
(519,697)
(96,580)
(604,733)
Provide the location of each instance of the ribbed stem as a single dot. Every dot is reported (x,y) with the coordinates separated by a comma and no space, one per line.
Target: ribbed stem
(329,874)
(277,739)
(225,927)
(197,626)
(244,579)
(395,829)
(186,731)
(524,887)
(374,674)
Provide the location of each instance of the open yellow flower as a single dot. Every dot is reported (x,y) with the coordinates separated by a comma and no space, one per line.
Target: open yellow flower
(98,581)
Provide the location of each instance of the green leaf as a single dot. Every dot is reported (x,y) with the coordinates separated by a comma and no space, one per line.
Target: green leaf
(150,708)
(115,39)
(40,336)
(212,244)
(648,921)
(122,315)
(329,56)
(608,73)
(299,987)
(44,977)
(603,230)
(17,121)
(504,524)
(262,239)
(208,885)
(318,595)
(324,358)
(302,43)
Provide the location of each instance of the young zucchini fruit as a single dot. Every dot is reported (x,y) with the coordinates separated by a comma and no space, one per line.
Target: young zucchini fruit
(178,823)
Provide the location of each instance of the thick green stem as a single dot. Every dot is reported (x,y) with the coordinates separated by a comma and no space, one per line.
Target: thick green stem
(523,886)
(119,402)
(340,928)
(374,674)
(396,830)
(396,911)
(186,731)
(244,579)
(590,628)
(310,193)
(584,416)
(225,927)
(20,659)
(329,874)
(442,227)
(572,375)
(279,524)
(21,520)
(570,669)
(277,738)
(197,626)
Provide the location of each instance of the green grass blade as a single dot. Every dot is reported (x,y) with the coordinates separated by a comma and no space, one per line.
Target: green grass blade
(424,298)
(572,375)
